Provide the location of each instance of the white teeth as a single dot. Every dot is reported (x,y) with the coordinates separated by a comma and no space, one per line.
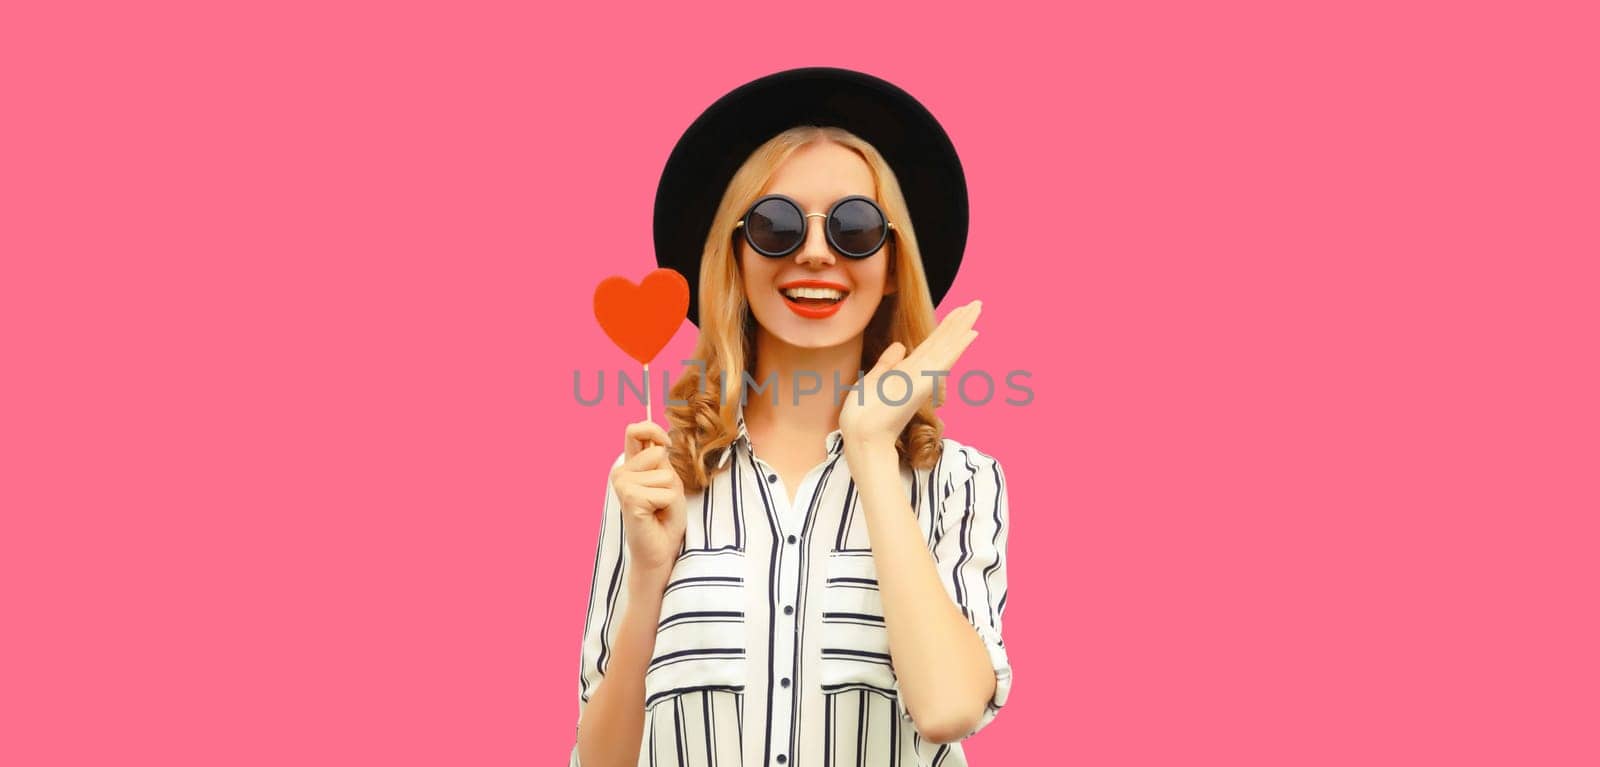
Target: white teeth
(828,293)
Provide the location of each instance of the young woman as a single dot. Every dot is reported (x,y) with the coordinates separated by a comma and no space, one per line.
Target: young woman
(807,573)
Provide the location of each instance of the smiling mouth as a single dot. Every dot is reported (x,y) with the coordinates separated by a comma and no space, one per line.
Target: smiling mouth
(813,302)
(814,297)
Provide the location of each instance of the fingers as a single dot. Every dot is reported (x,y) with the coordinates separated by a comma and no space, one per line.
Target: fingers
(647,480)
(664,478)
(642,497)
(889,358)
(946,343)
(653,457)
(642,434)
(956,324)
(960,348)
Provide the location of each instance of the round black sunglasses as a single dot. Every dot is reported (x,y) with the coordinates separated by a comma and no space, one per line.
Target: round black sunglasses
(775,226)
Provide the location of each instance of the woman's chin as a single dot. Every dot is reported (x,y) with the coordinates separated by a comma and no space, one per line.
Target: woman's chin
(803,338)
(817,334)
(800,332)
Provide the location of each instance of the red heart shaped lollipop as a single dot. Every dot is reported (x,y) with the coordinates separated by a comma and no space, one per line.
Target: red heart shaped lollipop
(642,318)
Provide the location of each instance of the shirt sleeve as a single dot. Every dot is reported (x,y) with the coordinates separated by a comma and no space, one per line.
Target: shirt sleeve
(969,551)
(608,598)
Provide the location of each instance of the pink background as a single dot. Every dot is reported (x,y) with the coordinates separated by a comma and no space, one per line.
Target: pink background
(292,295)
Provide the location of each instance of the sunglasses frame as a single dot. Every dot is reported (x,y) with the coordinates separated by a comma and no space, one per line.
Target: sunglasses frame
(827,232)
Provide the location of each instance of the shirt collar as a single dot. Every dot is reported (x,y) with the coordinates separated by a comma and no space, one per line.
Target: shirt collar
(742,437)
(834,441)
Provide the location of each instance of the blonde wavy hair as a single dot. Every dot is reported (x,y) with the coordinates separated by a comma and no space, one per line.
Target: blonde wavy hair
(727,328)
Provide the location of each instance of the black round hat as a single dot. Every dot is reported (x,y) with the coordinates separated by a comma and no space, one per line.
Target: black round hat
(721,139)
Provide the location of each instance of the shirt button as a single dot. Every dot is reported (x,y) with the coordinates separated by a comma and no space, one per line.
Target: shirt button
(772,478)
(785,682)
(792,539)
(783,759)
(788,609)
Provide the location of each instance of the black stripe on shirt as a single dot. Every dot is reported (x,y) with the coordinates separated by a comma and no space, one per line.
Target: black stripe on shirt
(738,500)
(841,541)
(674,658)
(705,519)
(962,539)
(856,582)
(703,579)
(705,616)
(852,618)
(861,730)
(710,728)
(999,525)
(613,591)
(707,688)
(594,580)
(677,729)
(846,653)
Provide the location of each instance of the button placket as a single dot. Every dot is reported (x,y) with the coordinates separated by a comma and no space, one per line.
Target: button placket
(785,651)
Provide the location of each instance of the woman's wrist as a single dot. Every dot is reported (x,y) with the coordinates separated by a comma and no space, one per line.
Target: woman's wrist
(647,584)
(864,454)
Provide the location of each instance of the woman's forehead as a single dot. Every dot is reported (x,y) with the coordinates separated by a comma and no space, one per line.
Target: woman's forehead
(818,174)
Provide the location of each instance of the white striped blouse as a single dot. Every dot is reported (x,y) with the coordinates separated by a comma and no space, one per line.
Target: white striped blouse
(771,648)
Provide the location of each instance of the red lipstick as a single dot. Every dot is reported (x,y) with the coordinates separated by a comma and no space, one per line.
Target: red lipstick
(813,311)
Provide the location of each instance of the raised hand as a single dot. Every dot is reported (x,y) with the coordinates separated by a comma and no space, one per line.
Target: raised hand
(870,418)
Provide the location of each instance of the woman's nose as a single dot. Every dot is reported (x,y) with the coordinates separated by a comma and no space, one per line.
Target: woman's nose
(815,249)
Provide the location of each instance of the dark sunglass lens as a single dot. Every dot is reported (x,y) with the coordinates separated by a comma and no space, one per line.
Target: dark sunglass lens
(857,227)
(775,226)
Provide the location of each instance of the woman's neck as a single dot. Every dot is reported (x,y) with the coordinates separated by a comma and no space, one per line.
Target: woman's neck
(785,368)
